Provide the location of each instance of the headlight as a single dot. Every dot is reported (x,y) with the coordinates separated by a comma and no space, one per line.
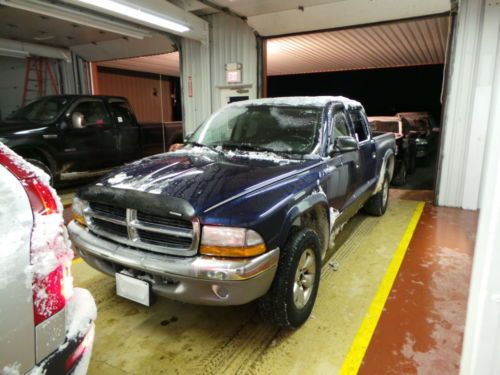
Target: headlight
(231,242)
(421,141)
(78,209)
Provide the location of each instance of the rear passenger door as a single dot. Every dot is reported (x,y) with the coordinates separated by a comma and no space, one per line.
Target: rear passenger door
(129,142)
(367,151)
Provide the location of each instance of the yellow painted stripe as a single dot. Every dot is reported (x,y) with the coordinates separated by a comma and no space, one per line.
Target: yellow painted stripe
(77,260)
(357,351)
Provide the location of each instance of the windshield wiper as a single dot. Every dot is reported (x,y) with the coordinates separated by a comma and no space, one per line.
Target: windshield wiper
(251,147)
(198,144)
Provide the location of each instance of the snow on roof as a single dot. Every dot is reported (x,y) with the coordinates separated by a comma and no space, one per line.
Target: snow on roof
(314,101)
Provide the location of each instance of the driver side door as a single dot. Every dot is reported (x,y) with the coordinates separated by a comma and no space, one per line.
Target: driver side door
(93,145)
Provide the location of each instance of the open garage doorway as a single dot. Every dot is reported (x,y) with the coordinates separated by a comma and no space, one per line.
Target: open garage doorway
(151,85)
(394,69)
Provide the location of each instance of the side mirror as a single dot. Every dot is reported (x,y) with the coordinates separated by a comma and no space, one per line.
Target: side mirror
(344,144)
(78,120)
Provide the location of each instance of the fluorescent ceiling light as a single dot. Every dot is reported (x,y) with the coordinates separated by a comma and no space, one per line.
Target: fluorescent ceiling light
(13,53)
(77,16)
(134,12)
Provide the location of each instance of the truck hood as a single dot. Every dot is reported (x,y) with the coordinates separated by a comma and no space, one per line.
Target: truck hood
(11,127)
(204,179)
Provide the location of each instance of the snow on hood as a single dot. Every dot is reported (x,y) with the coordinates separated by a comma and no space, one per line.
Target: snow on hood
(204,179)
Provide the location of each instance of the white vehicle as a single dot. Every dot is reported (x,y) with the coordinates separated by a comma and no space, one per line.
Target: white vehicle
(46,325)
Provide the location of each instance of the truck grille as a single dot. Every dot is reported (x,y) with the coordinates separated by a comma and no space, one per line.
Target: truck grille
(162,234)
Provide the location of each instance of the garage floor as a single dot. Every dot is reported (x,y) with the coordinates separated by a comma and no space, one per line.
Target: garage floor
(421,323)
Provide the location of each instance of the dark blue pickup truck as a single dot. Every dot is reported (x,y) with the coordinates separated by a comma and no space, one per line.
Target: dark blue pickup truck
(245,211)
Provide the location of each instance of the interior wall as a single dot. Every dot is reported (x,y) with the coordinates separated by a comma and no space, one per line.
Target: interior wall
(147,93)
(203,67)
(11,84)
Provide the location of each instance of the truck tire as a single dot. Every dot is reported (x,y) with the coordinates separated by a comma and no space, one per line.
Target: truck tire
(43,167)
(377,204)
(400,178)
(412,164)
(290,300)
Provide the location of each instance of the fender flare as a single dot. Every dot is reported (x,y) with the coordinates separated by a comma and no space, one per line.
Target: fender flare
(387,165)
(300,207)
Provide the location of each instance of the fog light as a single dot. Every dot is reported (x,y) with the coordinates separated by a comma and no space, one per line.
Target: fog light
(220,291)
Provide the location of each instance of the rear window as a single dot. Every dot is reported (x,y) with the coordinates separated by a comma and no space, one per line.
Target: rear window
(385,126)
(122,113)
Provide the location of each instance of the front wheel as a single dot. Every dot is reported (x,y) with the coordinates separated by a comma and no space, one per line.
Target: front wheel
(377,204)
(44,167)
(290,300)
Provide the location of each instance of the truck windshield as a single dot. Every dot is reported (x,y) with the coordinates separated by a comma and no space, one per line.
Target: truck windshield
(385,126)
(285,129)
(42,110)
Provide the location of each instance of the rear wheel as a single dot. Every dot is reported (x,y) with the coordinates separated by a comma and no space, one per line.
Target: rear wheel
(44,167)
(377,204)
(400,178)
(412,163)
(290,300)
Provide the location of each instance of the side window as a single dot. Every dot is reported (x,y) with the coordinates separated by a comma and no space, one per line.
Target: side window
(359,125)
(122,113)
(94,112)
(339,126)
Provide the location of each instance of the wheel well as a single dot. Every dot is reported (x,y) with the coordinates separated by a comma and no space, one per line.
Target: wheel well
(35,153)
(316,218)
(390,166)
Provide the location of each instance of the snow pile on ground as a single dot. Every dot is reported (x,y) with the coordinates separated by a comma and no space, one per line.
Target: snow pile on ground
(11,369)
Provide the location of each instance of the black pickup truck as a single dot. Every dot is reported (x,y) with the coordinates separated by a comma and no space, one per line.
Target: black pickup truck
(72,137)
(246,210)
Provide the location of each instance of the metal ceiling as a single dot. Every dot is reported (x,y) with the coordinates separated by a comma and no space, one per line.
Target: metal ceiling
(35,28)
(396,44)
(166,64)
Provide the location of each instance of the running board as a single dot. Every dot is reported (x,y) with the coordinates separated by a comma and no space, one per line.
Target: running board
(79,175)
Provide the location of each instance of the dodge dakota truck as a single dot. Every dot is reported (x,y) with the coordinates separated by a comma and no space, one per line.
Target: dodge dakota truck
(71,137)
(245,211)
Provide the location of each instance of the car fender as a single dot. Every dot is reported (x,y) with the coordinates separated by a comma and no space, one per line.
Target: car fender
(387,165)
(293,214)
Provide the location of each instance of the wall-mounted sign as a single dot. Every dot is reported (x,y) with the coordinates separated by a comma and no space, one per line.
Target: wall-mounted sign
(233,73)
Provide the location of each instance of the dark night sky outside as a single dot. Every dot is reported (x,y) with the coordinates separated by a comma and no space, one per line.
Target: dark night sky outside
(381,91)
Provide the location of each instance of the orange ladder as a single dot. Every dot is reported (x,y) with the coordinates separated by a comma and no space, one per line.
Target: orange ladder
(41,67)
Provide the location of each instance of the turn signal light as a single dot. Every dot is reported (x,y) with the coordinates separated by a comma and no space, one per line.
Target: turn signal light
(239,252)
(231,242)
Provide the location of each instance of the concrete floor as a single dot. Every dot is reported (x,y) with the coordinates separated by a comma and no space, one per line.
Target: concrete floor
(175,338)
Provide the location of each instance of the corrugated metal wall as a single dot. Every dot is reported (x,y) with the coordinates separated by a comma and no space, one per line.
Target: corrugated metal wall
(12,74)
(232,41)
(203,72)
(143,92)
(467,107)
(195,81)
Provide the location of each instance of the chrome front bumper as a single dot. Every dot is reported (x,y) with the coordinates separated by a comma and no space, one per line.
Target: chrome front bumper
(199,279)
